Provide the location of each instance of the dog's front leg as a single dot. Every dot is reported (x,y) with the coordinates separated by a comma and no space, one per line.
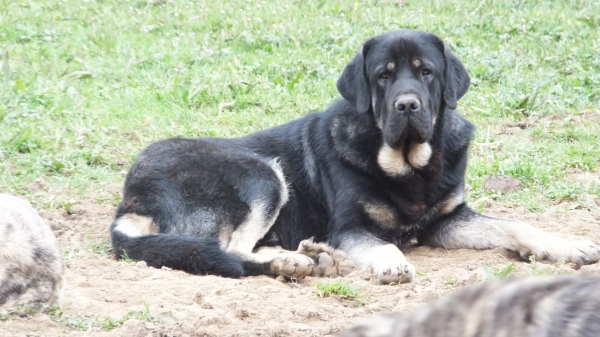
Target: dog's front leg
(384,258)
(469,229)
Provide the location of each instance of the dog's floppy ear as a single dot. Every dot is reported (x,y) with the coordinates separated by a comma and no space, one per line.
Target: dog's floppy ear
(354,84)
(457,79)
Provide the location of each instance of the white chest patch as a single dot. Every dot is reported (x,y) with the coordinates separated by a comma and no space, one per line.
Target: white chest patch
(419,155)
(392,161)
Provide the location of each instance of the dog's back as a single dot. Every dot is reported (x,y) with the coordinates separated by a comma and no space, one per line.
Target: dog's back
(531,307)
(31,269)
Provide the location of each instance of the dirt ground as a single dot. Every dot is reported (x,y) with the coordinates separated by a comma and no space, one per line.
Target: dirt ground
(98,287)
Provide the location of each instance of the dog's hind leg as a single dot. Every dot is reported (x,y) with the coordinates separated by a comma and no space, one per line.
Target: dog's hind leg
(466,228)
(266,197)
(135,237)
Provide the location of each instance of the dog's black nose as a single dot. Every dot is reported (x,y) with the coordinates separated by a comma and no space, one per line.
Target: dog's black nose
(407,103)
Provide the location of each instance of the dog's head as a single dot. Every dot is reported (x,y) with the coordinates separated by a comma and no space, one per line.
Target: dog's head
(405,78)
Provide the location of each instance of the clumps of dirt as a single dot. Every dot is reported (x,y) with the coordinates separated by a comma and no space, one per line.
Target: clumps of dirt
(106,296)
(512,128)
(585,117)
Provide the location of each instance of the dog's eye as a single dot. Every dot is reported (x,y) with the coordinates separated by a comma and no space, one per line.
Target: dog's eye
(384,76)
(426,71)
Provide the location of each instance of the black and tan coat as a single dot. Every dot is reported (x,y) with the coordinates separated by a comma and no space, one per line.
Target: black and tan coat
(380,169)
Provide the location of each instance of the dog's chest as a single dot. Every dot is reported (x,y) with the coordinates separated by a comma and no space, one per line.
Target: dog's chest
(406,196)
(402,162)
(395,211)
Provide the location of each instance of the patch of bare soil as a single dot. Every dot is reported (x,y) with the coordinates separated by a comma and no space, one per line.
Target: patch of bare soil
(179,304)
(504,184)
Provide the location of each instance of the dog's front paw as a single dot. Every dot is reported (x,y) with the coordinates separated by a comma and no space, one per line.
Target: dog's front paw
(556,249)
(394,272)
(330,262)
(390,265)
(292,266)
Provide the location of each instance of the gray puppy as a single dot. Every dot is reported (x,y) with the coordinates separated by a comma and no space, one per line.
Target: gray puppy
(530,307)
(31,268)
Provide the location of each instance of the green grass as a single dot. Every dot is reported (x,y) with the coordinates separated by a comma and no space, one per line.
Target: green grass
(537,270)
(509,270)
(85,85)
(126,258)
(103,249)
(339,289)
(73,322)
(498,273)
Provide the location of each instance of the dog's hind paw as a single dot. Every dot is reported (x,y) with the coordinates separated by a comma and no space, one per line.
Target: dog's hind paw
(330,262)
(292,266)
(335,264)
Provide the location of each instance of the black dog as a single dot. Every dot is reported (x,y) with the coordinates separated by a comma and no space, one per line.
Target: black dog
(380,169)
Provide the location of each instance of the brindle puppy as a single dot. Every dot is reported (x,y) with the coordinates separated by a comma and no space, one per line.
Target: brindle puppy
(31,269)
(533,307)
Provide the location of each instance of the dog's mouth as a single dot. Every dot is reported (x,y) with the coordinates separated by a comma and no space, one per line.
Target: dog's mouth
(398,128)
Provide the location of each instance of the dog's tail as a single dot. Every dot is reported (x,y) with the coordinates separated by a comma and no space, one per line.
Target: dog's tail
(200,256)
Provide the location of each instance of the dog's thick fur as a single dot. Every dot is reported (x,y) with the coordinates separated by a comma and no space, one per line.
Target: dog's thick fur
(31,269)
(532,307)
(380,169)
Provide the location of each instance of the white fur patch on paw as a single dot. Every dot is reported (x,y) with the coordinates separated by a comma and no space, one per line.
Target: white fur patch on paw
(557,249)
(387,262)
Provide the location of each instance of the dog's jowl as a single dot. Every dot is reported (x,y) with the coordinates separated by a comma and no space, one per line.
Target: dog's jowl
(380,169)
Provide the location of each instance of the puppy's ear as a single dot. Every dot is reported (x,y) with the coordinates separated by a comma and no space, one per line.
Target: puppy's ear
(457,79)
(354,84)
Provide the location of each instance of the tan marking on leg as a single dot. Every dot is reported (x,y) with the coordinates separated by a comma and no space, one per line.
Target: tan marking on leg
(135,225)
(382,214)
(246,235)
(482,232)
(225,231)
(392,161)
(276,166)
(419,155)
(271,250)
(452,201)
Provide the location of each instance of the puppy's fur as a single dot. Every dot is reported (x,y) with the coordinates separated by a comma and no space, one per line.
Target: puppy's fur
(380,169)
(531,307)
(31,269)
